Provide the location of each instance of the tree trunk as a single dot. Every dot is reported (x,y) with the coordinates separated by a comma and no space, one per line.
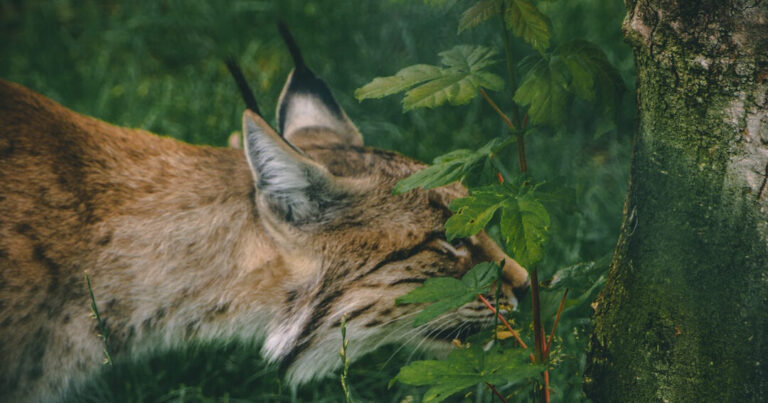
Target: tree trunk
(684,314)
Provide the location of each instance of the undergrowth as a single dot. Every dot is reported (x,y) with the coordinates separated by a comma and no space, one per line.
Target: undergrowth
(158,66)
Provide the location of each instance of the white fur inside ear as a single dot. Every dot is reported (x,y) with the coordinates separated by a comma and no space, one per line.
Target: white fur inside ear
(305,110)
(280,175)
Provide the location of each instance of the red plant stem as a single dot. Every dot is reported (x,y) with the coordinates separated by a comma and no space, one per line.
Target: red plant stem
(521,152)
(504,321)
(538,332)
(545,354)
(557,320)
(496,392)
(537,345)
(520,138)
(498,110)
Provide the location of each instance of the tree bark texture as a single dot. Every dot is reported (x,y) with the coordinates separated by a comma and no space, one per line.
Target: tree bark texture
(684,314)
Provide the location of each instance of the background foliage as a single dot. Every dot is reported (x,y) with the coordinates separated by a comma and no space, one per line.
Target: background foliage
(157,65)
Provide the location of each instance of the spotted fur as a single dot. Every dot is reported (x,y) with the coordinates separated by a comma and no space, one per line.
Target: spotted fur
(192,243)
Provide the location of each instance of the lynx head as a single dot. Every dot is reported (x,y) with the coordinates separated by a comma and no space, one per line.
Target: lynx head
(350,246)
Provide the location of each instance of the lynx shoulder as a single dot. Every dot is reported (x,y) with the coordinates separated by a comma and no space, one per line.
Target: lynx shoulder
(184,243)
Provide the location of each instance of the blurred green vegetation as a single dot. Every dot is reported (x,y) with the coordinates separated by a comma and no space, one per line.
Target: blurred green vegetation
(157,65)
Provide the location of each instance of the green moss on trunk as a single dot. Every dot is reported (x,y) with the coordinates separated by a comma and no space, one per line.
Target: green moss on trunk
(684,314)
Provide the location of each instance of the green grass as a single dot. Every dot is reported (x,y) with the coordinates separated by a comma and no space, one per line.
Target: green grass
(157,65)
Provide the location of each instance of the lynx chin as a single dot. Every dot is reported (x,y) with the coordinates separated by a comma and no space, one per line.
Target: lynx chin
(191,243)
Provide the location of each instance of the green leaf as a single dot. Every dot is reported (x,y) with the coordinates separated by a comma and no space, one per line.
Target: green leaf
(456,83)
(590,68)
(579,277)
(401,81)
(459,81)
(524,220)
(524,224)
(544,91)
(528,22)
(468,59)
(450,167)
(472,214)
(481,11)
(480,277)
(579,68)
(447,293)
(466,367)
(435,175)
(582,82)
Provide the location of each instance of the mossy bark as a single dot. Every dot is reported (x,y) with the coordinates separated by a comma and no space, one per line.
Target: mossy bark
(684,314)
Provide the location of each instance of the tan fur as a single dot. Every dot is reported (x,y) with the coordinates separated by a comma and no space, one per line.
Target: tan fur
(180,246)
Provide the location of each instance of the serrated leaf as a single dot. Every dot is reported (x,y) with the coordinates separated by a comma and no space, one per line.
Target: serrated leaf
(479,278)
(581,82)
(481,11)
(434,176)
(468,59)
(434,289)
(466,367)
(527,22)
(471,214)
(401,81)
(450,167)
(606,83)
(579,277)
(579,68)
(447,293)
(543,90)
(459,81)
(431,86)
(524,224)
(457,89)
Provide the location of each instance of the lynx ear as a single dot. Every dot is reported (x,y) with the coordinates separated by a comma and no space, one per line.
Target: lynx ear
(306,102)
(293,186)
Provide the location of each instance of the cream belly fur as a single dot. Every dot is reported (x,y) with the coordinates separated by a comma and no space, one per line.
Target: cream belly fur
(187,243)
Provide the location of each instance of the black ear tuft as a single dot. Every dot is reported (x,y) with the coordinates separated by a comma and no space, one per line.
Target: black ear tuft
(307,102)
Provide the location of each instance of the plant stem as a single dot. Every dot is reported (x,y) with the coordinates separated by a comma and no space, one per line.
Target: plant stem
(498,110)
(539,344)
(344,360)
(513,87)
(504,321)
(557,320)
(496,392)
(101,325)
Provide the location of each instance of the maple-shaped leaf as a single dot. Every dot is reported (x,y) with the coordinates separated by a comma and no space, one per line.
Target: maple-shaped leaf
(524,220)
(451,167)
(479,12)
(426,86)
(528,22)
(447,293)
(466,367)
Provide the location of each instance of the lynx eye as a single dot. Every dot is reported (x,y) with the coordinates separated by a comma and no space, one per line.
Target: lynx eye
(456,248)
(458,243)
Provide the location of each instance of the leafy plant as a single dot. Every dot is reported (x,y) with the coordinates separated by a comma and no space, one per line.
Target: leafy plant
(456,82)
(465,367)
(448,293)
(553,77)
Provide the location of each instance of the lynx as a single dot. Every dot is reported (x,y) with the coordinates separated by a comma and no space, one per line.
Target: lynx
(193,243)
